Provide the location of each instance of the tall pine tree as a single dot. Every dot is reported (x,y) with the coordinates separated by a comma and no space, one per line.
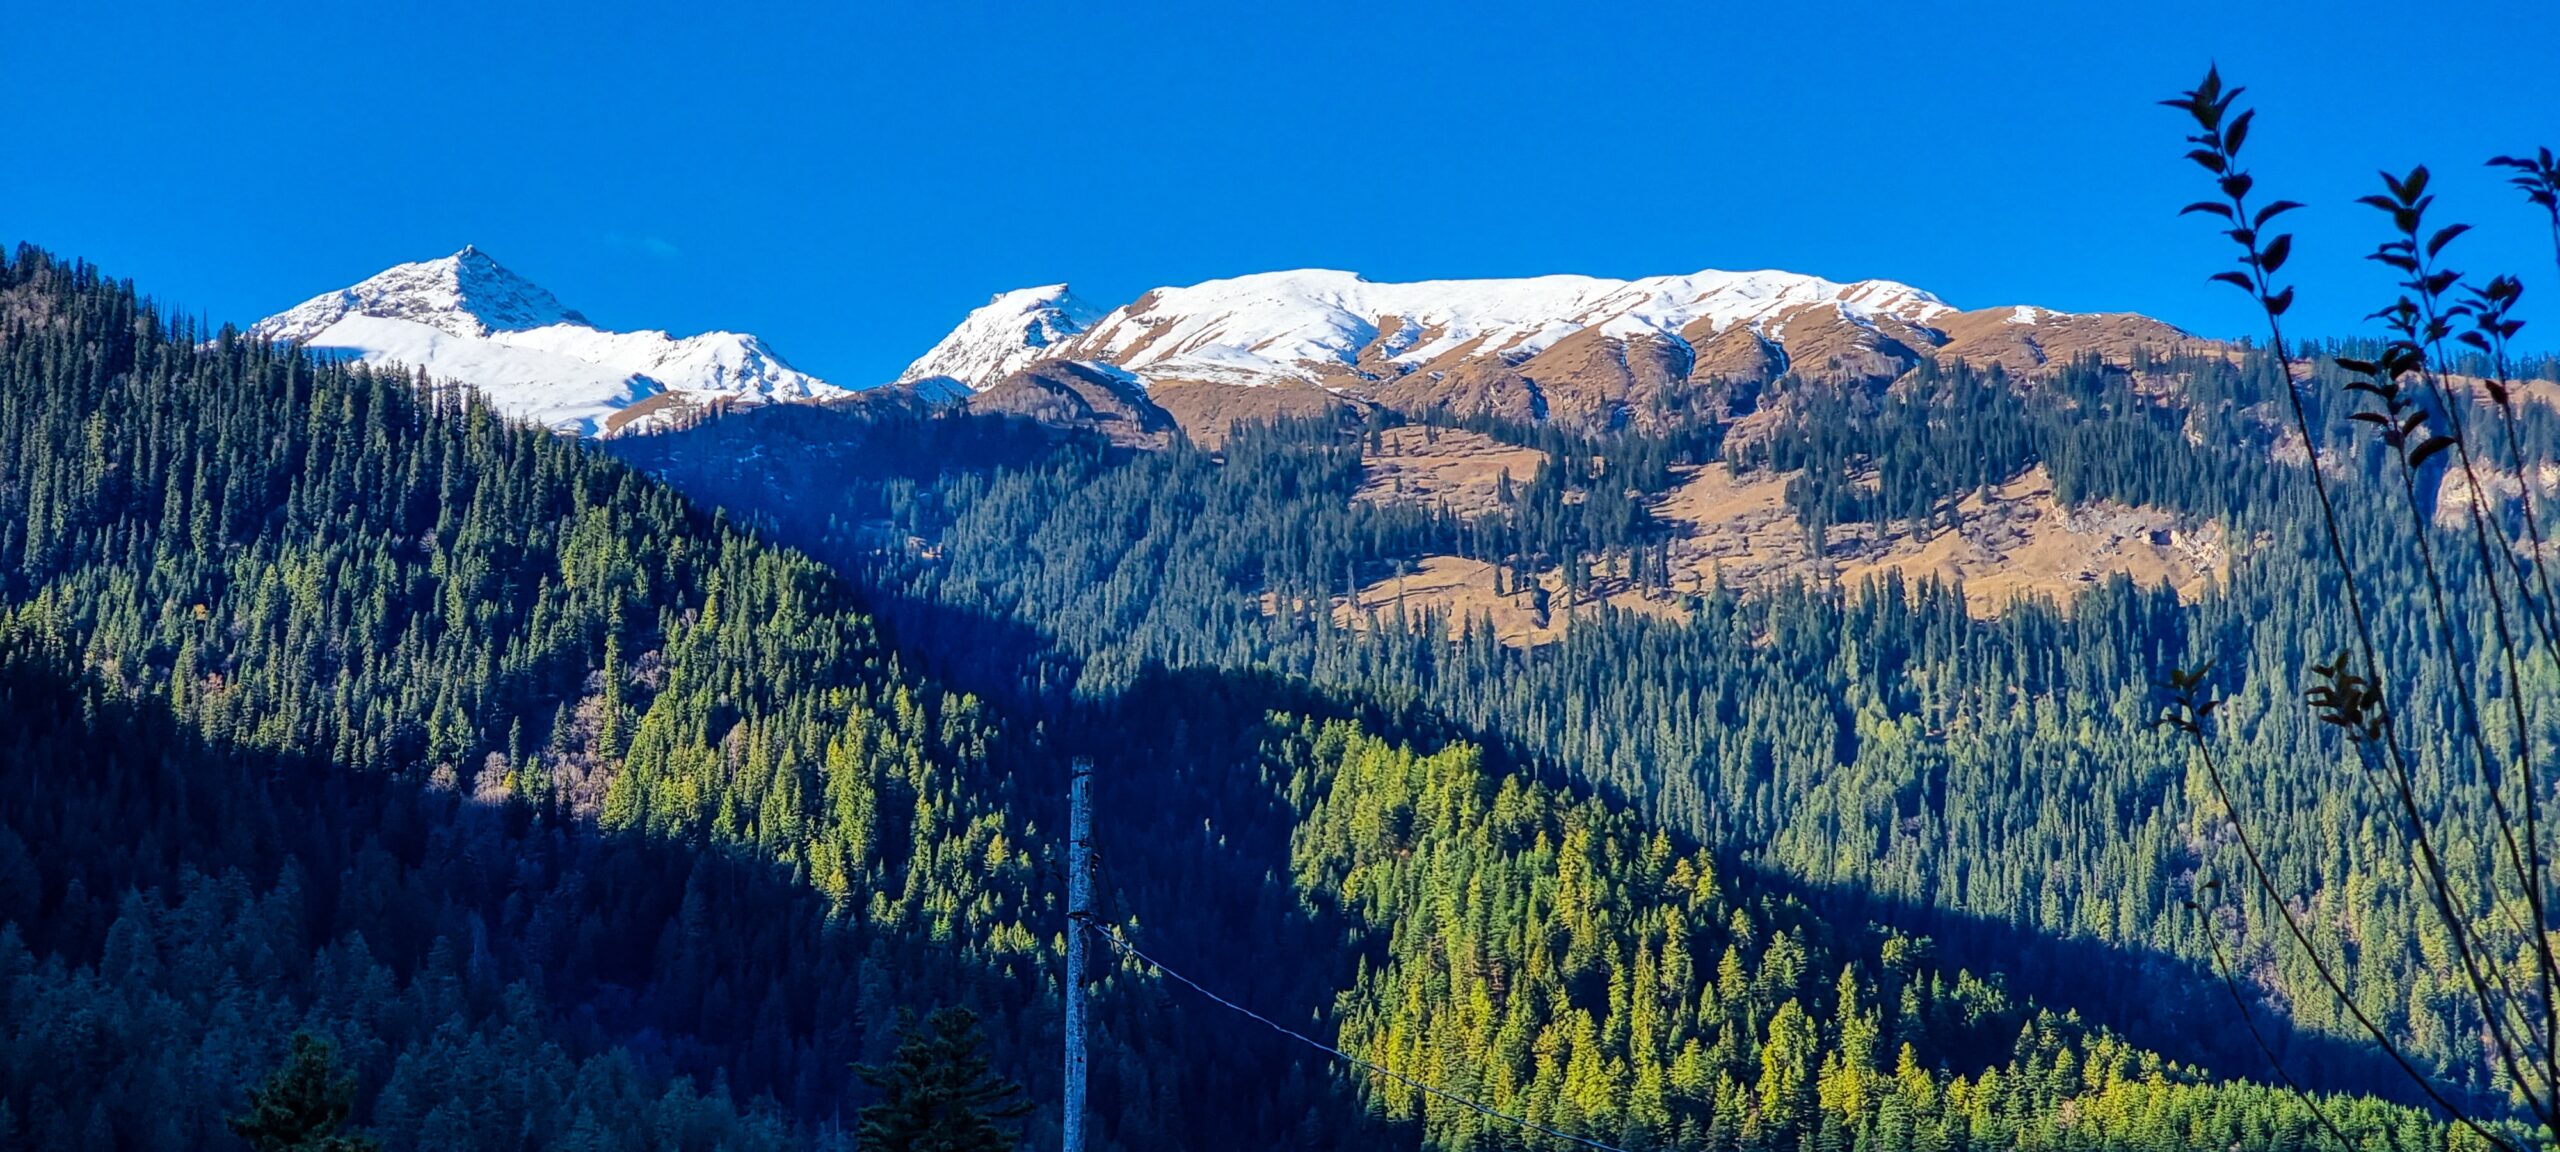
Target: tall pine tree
(939,1095)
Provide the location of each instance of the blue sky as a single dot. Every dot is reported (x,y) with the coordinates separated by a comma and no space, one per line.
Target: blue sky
(849,179)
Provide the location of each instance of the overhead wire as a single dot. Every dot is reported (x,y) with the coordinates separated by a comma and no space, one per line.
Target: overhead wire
(1120,944)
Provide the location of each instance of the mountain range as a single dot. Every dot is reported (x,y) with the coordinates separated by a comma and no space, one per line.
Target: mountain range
(1586,352)
(1777,783)
(468,319)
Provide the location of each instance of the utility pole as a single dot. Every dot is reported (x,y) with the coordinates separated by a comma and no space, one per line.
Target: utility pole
(1079,910)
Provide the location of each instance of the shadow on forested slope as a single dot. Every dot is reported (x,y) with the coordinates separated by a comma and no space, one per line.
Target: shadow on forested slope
(494,973)
(1159,790)
(1174,743)
(2160,1002)
(576,818)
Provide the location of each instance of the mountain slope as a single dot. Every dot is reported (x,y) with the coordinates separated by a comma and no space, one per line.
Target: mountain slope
(572,814)
(575,816)
(1013,331)
(465,318)
(1989,781)
(1584,350)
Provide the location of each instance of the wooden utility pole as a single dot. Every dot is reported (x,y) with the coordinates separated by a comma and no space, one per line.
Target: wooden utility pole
(1079,911)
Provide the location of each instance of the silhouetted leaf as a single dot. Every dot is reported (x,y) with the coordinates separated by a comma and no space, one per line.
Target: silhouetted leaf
(2273,256)
(2419,455)
(2272,211)
(2237,131)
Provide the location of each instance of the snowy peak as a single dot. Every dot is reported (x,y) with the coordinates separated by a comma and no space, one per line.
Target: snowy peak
(1311,324)
(466,294)
(1655,351)
(1314,325)
(466,319)
(1013,330)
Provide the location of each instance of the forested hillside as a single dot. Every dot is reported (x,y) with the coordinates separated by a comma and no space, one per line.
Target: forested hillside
(1993,784)
(575,816)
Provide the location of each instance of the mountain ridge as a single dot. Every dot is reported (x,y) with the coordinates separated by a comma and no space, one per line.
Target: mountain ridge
(1589,351)
(469,319)
(1651,354)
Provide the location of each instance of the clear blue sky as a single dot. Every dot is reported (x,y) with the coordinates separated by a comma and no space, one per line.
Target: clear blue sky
(849,179)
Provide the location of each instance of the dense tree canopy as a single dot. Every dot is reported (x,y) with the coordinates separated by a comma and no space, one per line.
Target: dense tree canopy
(571,814)
(1992,784)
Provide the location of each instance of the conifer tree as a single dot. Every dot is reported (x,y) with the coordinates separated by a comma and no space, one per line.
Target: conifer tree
(302,1106)
(939,1095)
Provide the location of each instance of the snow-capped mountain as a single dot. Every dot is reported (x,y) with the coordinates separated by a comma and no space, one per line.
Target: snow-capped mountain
(1580,348)
(1013,331)
(1315,324)
(466,318)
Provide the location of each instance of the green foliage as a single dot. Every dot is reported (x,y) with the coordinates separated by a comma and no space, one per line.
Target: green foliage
(581,818)
(302,1105)
(574,814)
(1992,784)
(1553,958)
(938,1094)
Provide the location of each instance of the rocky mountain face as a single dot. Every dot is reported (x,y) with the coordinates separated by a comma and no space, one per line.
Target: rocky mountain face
(467,319)
(1595,353)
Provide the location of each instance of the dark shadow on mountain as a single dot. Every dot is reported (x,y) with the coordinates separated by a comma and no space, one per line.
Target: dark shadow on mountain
(1172,742)
(2159,1001)
(699,961)
(759,460)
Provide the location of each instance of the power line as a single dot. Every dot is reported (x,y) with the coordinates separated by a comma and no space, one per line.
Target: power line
(1112,937)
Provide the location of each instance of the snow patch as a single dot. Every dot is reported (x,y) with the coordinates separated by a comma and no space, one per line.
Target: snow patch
(1312,324)
(465,294)
(1011,332)
(467,319)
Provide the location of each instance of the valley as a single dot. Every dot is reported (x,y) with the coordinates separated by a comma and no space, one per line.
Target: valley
(1686,759)
(789,577)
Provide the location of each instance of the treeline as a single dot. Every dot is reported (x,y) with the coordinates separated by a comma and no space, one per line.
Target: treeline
(1555,959)
(570,814)
(1993,784)
(1907,457)
(575,816)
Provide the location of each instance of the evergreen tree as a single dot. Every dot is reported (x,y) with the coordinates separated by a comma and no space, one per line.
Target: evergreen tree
(939,1095)
(303,1105)
(581,817)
